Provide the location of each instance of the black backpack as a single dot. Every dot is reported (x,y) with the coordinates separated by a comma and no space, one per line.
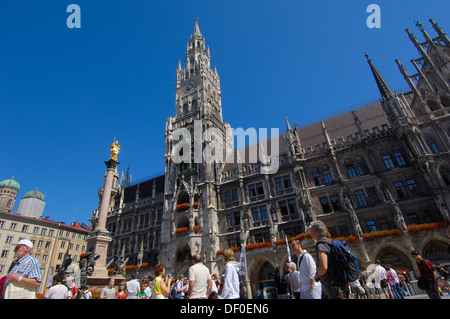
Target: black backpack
(343,264)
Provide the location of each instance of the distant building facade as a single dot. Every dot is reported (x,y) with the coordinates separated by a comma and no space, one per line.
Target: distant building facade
(378,176)
(52,241)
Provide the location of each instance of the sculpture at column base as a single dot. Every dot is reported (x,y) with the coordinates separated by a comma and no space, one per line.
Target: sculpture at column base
(98,249)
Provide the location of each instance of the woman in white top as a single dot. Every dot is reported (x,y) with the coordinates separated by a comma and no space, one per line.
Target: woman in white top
(231,279)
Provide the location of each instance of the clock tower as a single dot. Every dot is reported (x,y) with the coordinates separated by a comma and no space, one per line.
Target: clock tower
(198,86)
(190,223)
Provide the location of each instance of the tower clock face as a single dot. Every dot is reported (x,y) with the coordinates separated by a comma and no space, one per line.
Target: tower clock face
(190,86)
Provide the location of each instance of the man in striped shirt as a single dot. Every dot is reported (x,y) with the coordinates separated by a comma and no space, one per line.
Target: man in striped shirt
(25,269)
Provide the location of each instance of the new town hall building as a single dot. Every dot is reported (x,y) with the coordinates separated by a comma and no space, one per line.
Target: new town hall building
(378,176)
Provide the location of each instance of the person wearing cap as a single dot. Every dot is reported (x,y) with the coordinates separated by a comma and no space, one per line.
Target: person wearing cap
(428,274)
(24,273)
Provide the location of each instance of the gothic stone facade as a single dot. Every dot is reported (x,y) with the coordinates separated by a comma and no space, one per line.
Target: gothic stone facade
(380,167)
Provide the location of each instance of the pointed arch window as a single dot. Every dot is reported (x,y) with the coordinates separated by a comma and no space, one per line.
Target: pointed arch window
(399,158)
(194,105)
(361,166)
(317,178)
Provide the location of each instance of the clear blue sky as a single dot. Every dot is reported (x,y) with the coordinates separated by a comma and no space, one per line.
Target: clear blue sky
(65,94)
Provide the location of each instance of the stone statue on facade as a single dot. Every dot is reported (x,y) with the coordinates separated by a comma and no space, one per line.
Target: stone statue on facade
(244,231)
(398,215)
(273,229)
(353,217)
(442,207)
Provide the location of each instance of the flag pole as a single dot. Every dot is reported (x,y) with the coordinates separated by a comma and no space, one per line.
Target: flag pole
(288,250)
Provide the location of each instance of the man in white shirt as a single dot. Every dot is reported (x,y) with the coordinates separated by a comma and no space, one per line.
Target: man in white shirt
(109,292)
(380,277)
(133,287)
(310,289)
(58,291)
(199,280)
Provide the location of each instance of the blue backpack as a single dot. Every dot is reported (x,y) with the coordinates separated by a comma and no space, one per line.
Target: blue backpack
(343,263)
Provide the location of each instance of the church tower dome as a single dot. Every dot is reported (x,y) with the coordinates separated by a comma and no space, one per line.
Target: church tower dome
(10,183)
(8,192)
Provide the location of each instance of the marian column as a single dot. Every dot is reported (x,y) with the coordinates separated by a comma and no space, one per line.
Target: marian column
(99,239)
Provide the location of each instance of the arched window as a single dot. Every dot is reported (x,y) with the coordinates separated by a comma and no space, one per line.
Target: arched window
(183,253)
(361,166)
(194,105)
(266,276)
(317,178)
(183,198)
(182,222)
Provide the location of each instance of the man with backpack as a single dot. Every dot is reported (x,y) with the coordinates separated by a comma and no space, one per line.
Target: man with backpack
(335,276)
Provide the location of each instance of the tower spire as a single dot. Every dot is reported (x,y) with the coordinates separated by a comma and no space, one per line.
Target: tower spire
(288,125)
(197,29)
(384,88)
(441,33)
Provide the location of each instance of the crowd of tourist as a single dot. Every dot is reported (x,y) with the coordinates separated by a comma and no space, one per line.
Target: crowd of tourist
(303,279)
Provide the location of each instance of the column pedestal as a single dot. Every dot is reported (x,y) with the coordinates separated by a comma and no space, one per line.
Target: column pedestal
(98,242)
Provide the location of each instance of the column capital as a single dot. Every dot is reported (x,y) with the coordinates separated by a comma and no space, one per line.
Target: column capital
(111,163)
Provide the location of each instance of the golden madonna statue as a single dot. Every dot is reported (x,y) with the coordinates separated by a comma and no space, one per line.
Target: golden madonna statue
(115,148)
